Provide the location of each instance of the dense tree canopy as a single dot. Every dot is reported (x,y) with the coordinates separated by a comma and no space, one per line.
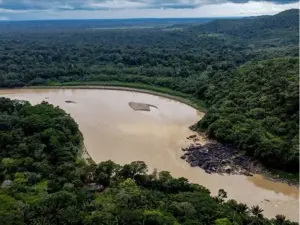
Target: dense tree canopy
(45,181)
(284,26)
(165,56)
(258,112)
(245,70)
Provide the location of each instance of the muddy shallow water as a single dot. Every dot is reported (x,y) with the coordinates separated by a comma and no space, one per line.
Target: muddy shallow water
(113,130)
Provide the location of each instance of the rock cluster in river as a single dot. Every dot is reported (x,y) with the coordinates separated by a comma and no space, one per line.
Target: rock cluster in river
(69,101)
(137,106)
(218,158)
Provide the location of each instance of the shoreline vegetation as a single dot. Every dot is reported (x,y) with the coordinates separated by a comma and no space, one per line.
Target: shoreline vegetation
(135,87)
(268,173)
(245,71)
(43,180)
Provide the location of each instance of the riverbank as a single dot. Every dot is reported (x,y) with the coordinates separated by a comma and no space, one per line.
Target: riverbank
(277,176)
(135,87)
(215,157)
(113,131)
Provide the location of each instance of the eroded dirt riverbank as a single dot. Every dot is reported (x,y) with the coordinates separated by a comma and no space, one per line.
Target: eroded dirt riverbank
(113,130)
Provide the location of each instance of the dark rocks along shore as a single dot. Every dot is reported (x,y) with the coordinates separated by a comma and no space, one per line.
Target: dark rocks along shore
(219,158)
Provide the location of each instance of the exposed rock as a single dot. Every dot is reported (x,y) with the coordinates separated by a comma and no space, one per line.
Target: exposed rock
(194,163)
(183,157)
(228,169)
(192,158)
(196,139)
(207,171)
(203,150)
(136,106)
(219,158)
(246,173)
(191,136)
(69,101)
(224,161)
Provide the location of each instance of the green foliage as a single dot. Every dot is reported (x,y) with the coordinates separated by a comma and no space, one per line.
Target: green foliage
(241,68)
(9,210)
(259,112)
(284,24)
(224,221)
(50,185)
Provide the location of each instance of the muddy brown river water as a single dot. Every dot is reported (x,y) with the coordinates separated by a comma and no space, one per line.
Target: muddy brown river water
(113,130)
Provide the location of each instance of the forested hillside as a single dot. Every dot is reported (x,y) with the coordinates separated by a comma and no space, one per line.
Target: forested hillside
(284,24)
(258,112)
(44,180)
(217,63)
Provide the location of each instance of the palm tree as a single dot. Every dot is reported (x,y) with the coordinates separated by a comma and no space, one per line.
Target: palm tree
(256,211)
(242,208)
(280,219)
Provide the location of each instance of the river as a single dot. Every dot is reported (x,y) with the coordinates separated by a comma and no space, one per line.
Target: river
(113,130)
